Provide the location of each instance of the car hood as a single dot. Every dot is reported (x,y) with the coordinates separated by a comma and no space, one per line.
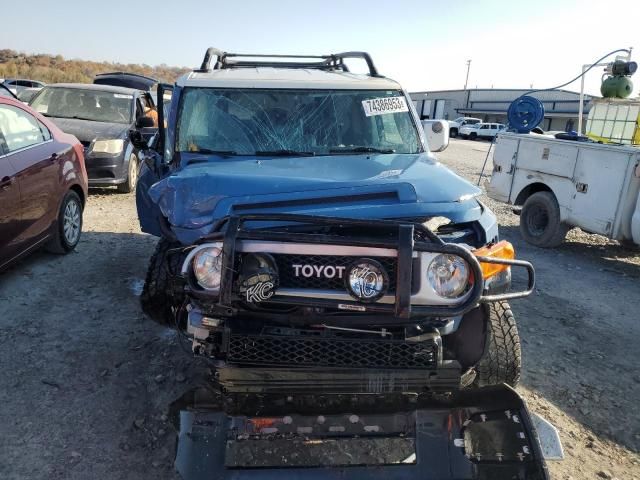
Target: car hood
(87,131)
(358,186)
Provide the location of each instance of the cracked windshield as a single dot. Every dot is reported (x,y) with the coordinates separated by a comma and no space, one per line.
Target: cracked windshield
(321,122)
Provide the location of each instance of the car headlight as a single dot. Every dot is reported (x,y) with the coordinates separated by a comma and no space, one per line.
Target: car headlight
(448,275)
(108,146)
(207,267)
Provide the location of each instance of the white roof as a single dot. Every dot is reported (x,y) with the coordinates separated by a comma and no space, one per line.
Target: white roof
(270,77)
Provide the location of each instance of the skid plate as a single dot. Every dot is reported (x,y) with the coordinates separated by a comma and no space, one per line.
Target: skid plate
(477,434)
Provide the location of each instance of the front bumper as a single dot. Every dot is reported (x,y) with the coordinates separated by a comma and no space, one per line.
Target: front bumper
(265,380)
(408,242)
(315,342)
(104,169)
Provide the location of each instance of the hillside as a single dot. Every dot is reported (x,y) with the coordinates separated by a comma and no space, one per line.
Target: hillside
(57,69)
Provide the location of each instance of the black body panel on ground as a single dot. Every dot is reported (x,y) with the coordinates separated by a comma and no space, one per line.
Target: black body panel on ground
(471,435)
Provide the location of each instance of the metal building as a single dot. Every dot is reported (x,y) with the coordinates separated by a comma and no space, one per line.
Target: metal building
(491,104)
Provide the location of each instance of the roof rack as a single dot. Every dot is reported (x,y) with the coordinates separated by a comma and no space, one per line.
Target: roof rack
(330,62)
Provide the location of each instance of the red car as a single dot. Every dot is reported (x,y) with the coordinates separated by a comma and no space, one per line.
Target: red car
(43,184)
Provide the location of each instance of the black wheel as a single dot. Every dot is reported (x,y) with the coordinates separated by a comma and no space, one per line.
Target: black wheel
(132,176)
(502,361)
(453,133)
(540,223)
(473,136)
(69,225)
(158,299)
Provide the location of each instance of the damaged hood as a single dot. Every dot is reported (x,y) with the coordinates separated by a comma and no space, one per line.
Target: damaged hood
(87,130)
(353,186)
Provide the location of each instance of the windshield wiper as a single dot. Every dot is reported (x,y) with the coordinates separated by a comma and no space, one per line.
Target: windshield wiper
(208,151)
(77,117)
(283,153)
(362,150)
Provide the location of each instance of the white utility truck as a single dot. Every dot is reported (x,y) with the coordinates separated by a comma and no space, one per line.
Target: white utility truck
(562,183)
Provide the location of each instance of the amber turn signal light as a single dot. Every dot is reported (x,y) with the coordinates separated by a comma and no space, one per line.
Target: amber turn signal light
(502,250)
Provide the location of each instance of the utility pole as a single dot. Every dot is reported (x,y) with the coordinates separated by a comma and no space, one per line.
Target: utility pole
(466,80)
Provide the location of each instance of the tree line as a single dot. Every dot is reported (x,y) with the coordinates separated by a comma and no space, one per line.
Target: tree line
(56,69)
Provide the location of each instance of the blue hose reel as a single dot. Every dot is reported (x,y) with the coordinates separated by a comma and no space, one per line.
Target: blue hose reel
(525,113)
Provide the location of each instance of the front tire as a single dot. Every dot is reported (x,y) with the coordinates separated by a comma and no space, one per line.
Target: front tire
(158,300)
(473,136)
(453,133)
(502,359)
(540,223)
(68,226)
(129,184)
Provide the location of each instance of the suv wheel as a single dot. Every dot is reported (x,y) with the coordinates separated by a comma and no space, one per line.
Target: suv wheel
(132,176)
(69,225)
(473,135)
(501,362)
(540,223)
(453,133)
(158,300)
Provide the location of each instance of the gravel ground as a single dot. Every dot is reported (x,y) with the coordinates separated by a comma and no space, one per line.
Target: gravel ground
(87,380)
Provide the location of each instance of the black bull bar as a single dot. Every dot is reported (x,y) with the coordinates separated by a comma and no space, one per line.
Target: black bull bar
(405,244)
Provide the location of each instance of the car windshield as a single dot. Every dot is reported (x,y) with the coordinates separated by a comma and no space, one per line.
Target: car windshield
(84,104)
(291,122)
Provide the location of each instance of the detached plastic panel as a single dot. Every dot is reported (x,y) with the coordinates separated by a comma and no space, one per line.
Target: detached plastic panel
(477,434)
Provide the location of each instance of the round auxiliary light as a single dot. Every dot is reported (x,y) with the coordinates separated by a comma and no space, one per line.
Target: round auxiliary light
(448,275)
(367,280)
(207,267)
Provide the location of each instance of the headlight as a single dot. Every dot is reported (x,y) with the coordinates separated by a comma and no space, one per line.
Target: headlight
(108,146)
(207,267)
(448,275)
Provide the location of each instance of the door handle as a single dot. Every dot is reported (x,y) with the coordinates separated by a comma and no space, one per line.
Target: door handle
(6,182)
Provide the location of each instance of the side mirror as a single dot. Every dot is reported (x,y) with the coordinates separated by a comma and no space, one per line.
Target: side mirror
(137,139)
(437,133)
(144,122)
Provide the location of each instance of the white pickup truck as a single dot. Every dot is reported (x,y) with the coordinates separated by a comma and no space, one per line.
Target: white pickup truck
(454,125)
(562,184)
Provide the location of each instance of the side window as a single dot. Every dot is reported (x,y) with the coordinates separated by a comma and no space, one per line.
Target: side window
(139,108)
(20,129)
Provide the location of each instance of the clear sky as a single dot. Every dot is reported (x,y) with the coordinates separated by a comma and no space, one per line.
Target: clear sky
(423,44)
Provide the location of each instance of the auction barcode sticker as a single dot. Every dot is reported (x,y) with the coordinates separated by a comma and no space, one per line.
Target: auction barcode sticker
(381,106)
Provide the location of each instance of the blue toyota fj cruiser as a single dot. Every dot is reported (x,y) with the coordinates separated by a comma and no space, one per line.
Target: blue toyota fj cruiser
(310,241)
